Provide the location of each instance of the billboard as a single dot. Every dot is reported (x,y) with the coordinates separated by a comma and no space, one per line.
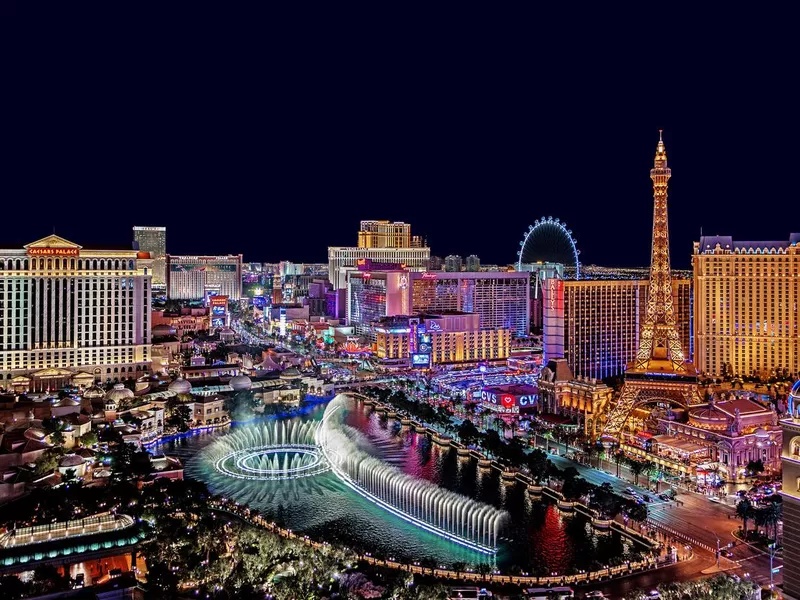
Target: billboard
(185,268)
(506,402)
(420,360)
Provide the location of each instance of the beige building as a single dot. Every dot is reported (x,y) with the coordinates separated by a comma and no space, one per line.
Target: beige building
(451,337)
(68,313)
(602,320)
(387,234)
(745,309)
(583,399)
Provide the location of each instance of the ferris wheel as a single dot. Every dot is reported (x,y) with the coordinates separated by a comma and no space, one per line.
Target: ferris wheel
(549,241)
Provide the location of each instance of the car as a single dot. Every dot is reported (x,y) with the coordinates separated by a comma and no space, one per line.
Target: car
(594,594)
(664,497)
(629,490)
(647,498)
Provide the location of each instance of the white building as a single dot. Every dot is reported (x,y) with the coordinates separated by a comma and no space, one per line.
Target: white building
(66,310)
(342,260)
(154,241)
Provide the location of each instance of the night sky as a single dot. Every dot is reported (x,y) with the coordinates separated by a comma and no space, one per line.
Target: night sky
(273,135)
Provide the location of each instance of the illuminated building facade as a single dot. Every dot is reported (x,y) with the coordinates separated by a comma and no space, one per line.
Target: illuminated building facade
(380,242)
(154,241)
(68,311)
(387,234)
(375,294)
(582,399)
(198,277)
(597,330)
(746,313)
(790,491)
(454,337)
(343,260)
(501,299)
(473,263)
(731,433)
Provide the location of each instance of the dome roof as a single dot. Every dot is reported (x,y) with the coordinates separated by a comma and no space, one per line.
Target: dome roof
(240,382)
(94,392)
(71,460)
(708,414)
(796,389)
(162,330)
(34,433)
(291,373)
(180,386)
(67,401)
(119,393)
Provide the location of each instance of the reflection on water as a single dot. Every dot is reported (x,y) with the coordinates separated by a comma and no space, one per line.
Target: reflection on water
(541,539)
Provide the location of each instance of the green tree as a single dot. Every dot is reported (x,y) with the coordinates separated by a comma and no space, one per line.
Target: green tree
(88,439)
(48,461)
(637,467)
(467,432)
(755,467)
(537,463)
(744,511)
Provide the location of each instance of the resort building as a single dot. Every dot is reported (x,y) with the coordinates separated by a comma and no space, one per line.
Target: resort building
(746,306)
(198,277)
(70,315)
(595,324)
(448,338)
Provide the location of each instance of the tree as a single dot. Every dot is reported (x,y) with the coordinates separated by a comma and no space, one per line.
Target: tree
(467,432)
(638,513)
(744,511)
(619,458)
(537,463)
(755,467)
(48,461)
(12,588)
(88,439)
(636,467)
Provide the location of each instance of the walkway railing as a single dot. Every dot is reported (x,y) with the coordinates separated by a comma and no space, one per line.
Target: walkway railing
(254,518)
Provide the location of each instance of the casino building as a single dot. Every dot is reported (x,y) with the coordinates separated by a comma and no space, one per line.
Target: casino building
(198,277)
(439,338)
(70,315)
(745,312)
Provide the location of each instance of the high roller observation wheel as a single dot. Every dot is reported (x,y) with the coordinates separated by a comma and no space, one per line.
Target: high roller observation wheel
(551,223)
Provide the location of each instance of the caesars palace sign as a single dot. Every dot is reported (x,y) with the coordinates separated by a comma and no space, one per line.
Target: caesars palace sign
(53,251)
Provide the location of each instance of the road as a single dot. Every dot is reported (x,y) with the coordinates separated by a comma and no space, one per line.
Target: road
(695,520)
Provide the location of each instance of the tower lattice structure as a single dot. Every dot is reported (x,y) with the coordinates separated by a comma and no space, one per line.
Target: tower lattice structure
(660,372)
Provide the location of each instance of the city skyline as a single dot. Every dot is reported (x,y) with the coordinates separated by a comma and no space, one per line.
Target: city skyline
(469,149)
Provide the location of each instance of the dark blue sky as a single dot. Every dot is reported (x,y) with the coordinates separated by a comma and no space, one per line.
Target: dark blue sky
(273,134)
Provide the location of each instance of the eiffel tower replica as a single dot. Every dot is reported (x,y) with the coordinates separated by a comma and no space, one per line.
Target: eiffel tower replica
(660,372)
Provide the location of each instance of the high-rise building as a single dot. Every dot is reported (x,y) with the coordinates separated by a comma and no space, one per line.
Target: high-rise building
(501,299)
(373,295)
(790,491)
(342,260)
(436,263)
(198,277)
(595,324)
(746,305)
(70,315)
(660,370)
(154,241)
(386,234)
(453,263)
(473,263)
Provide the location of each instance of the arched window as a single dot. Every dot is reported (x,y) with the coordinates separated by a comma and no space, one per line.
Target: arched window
(72,263)
(49,263)
(25,264)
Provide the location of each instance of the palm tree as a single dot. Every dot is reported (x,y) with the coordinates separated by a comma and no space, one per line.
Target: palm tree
(744,511)
(619,458)
(636,467)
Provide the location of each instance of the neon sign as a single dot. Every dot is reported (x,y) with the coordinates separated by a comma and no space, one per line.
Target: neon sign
(53,251)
